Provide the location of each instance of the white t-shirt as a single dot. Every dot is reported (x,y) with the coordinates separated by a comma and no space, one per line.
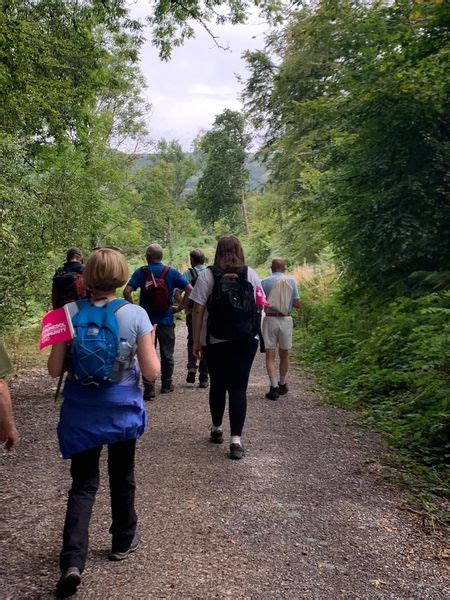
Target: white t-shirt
(202,291)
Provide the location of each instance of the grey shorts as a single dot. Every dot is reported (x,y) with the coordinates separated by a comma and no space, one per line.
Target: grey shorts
(277,332)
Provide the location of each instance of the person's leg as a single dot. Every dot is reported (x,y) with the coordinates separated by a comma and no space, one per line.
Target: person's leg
(285,346)
(85,479)
(122,488)
(166,338)
(203,373)
(284,364)
(271,366)
(215,355)
(270,331)
(192,359)
(240,360)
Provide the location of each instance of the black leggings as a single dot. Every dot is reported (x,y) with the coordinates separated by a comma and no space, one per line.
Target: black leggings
(229,365)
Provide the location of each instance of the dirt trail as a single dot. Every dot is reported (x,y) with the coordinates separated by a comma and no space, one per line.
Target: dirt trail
(303,516)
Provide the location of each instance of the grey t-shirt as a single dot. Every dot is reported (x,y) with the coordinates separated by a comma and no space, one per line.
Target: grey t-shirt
(133,323)
(202,291)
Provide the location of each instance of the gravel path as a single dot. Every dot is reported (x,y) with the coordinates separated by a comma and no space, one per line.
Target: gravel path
(303,516)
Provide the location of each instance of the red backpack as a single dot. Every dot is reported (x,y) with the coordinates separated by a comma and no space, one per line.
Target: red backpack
(155,295)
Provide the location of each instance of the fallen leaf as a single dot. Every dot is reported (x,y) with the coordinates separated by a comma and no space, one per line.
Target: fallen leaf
(377,582)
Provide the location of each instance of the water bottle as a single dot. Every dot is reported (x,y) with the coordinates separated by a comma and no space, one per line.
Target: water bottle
(123,359)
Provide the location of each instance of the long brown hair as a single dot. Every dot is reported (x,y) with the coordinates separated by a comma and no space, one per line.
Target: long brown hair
(229,253)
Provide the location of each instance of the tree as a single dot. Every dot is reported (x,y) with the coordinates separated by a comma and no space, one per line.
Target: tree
(220,190)
(357,133)
(184,167)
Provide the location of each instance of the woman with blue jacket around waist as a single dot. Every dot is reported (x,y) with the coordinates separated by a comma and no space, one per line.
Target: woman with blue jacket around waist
(110,412)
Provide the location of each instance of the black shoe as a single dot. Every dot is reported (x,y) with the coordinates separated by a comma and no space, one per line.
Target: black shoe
(273,393)
(122,555)
(68,583)
(149,390)
(166,389)
(216,436)
(190,377)
(283,389)
(236,451)
(203,382)
(149,394)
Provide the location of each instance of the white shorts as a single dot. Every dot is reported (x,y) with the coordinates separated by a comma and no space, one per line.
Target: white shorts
(277,332)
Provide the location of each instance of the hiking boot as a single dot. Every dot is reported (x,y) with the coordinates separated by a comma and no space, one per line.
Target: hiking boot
(273,393)
(116,556)
(190,377)
(166,389)
(149,394)
(216,436)
(203,381)
(68,583)
(149,390)
(236,451)
(283,389)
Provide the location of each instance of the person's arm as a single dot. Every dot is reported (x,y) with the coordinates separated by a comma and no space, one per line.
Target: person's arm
(127,293)
(147,357)
(197,322)
(8,431)
(55,363)
(187,292)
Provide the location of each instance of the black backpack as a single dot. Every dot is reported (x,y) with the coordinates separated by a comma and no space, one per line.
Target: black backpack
(194,277)
(68,286)
(232,311)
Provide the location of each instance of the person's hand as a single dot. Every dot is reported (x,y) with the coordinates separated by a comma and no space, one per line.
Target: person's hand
(176,309)
(198,351)
(8,435)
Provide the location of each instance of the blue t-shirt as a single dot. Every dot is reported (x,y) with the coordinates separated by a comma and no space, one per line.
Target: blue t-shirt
(269,282)
(174,280)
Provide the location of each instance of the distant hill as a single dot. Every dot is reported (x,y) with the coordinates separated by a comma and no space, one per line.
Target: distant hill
(258,174)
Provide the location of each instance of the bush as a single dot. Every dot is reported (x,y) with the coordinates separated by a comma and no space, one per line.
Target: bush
(392,358)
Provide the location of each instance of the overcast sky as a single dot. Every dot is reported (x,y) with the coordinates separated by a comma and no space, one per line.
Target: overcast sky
(199,81)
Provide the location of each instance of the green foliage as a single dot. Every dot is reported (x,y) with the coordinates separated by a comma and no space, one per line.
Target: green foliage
(220,190)
(393,358)
(354,99)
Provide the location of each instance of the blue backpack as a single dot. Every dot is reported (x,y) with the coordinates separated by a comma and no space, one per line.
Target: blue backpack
(95,346)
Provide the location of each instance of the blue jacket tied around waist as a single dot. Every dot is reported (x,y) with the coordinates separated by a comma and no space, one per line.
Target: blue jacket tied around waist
(93,417)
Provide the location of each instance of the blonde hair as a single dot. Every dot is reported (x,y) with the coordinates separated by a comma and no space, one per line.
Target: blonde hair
(106,270)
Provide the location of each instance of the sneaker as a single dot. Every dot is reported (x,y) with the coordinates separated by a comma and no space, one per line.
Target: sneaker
(166,389)
(216,436)
(68,583)
(273,393)
(283,389)
(236,451)
(203,382)
(190,377)
(122,555)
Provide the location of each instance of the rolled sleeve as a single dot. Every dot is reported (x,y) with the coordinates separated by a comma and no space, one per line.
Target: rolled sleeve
(203,287)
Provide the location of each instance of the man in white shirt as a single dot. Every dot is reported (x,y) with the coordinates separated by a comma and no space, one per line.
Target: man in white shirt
(282,295)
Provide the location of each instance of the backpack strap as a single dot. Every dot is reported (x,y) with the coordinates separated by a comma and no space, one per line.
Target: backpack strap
(116,304)
(164,272)
(194,275)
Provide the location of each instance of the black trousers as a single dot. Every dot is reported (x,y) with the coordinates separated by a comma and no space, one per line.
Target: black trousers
(229,365)
(165,337)
(85,480)
(192,359)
